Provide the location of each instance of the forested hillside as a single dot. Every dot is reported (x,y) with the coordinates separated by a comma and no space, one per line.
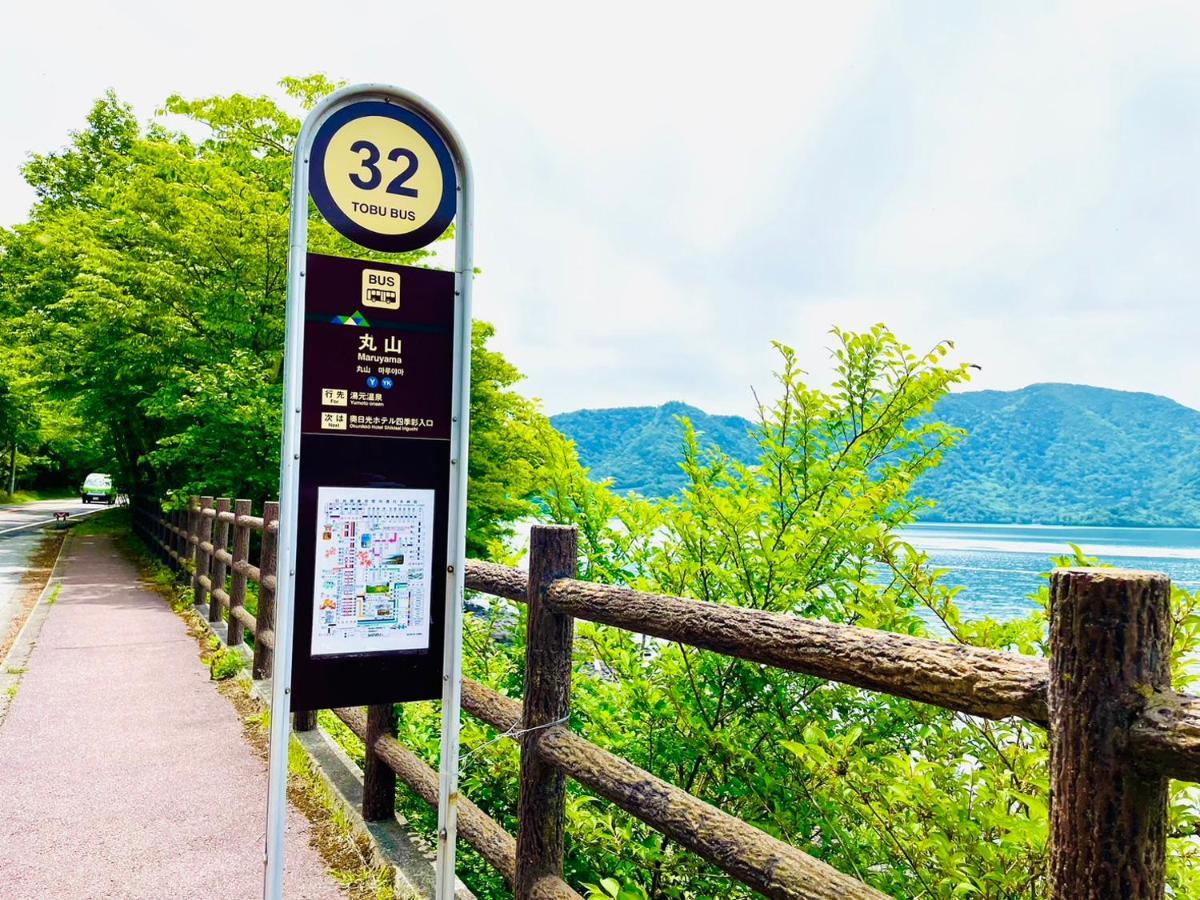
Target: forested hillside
(1063,453)
(1053,453)
(639,446)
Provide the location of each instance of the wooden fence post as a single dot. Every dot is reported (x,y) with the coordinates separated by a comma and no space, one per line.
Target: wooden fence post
(216,568)
(1110,646)
(265,618)
(306,720)
(143,526)
(187,518)
(192,528)
(237,581)
(203,532)
(158,530)
(379,781)
(173,538)
(541,806)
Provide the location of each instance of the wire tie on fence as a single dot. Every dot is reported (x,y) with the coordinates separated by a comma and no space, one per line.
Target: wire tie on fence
(514,732)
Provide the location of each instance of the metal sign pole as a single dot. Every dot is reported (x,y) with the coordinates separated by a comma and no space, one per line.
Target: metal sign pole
(464,274)
(289,474)
(289,480)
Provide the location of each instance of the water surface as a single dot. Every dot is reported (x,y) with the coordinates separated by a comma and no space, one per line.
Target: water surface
(999,566)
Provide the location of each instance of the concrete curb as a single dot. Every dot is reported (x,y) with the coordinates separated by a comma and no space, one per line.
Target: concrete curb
(391,843)
(17,658)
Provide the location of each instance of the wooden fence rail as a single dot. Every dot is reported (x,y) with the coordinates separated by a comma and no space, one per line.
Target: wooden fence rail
(1118,732)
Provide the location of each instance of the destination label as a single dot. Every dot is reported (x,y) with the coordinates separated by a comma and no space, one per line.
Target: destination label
(374,364)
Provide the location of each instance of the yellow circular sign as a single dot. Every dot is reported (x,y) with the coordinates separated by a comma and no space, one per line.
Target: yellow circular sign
(382,176)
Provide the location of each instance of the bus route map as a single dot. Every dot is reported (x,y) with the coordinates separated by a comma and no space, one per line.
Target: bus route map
(373,568)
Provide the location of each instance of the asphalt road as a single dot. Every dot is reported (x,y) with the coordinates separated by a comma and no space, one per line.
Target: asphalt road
(13,516)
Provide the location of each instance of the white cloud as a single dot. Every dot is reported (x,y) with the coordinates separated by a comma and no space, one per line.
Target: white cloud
(662,190)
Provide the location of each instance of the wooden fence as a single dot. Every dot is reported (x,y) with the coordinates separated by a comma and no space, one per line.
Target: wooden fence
(1118,731)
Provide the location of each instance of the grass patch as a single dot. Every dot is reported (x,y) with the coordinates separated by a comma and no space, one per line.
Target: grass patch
(342,736)
(112,521)
(361,879)
(225,664)
(18,498)
(54,592)
(346,852)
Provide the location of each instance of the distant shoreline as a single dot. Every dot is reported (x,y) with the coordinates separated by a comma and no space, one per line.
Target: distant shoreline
(942,523)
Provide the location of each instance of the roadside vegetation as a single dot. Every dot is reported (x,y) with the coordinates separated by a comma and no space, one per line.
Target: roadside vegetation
(19,498)
(145,294)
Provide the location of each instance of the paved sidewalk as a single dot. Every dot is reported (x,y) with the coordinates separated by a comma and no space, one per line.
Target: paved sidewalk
(123,773)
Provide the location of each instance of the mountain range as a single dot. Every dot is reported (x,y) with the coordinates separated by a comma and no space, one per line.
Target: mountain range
(1062,454)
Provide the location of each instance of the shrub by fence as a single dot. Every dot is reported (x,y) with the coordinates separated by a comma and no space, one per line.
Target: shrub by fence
(1118,732)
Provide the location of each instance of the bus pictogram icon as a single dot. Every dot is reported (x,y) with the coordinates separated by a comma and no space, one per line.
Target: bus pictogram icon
(381,289)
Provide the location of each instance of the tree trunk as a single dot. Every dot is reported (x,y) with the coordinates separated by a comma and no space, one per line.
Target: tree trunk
(12,469)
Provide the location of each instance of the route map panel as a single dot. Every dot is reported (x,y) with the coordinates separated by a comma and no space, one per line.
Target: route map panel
(371,590)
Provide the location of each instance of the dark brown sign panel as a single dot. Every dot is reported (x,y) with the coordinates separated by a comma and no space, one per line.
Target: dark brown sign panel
(373,511)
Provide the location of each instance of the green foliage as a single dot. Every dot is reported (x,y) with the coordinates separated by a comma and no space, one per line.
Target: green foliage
(20,419)
(918,801)
(611,889)
(970,799)
(804,530)
(225,664)
(146,294)
(639,447)
(19,498)
(63,179)
(504,448)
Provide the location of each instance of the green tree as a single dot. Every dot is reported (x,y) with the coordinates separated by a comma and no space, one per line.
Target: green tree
(504,449)
(804,529)
(18,428)
(916,800)
(149,287)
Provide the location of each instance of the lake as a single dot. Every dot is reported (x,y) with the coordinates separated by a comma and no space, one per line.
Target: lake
(999,566)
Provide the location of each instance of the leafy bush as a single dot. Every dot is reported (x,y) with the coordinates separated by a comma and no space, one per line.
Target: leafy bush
(916,800)
(226,663)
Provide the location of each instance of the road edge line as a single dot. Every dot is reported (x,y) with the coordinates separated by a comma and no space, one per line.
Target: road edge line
(75,518)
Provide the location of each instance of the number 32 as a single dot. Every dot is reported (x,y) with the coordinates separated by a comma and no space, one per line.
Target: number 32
(396,185)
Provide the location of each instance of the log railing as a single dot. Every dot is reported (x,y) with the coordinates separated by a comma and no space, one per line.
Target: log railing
(1118,732)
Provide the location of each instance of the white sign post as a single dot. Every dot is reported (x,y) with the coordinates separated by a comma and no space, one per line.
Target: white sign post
(405,227)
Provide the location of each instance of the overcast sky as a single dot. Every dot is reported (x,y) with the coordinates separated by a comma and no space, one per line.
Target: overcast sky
(663,190)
